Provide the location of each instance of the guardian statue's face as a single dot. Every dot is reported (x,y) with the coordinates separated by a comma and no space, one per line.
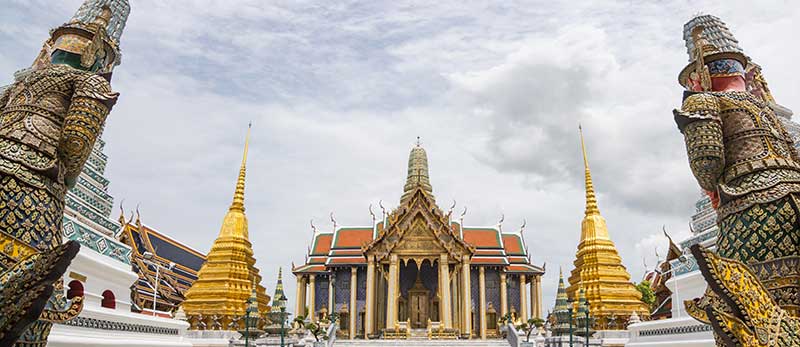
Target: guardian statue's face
(61,57)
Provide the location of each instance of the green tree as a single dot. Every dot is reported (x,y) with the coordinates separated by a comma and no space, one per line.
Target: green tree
(648,296)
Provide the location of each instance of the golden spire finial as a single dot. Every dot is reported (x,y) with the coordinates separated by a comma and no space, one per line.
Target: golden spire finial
(591,200)
(238,194)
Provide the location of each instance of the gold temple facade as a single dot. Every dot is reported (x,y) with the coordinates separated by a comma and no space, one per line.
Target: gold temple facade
(599,271)
(416,268)
(218,298)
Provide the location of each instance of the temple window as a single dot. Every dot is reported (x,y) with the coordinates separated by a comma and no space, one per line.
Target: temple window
(108,300)
(75,289)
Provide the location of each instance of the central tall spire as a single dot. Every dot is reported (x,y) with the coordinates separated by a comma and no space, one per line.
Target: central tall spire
(417,173)
(591,200)
(238,194)
(229,276)
(598,266)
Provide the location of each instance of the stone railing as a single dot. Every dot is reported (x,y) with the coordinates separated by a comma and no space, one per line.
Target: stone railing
(119,326)
(332,334)
(512,336)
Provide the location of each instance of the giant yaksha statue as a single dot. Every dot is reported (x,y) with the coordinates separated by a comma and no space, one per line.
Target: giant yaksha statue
(49,121)
(743,157)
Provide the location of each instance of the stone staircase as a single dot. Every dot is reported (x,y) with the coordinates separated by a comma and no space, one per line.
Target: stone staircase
(422,342)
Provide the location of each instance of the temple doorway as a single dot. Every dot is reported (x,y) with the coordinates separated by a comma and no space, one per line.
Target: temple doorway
(418,304)
(418,301)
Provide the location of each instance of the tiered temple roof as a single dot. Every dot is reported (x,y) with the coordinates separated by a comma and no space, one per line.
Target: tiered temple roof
(172,283)
(344,245)
(492,247)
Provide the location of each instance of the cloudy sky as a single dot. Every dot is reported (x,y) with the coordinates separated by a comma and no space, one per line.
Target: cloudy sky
(339,91)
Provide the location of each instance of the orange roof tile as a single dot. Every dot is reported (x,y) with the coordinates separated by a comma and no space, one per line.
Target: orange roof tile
(482,237)
(492,260)
(338,252)
(348,260)
(513,244)
(352,237)
(523,269)
(322,244)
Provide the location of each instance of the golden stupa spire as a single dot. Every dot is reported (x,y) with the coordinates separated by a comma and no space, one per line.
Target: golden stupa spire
(598,267)
(591,199)
(229,276)
(238,194)
(417,172)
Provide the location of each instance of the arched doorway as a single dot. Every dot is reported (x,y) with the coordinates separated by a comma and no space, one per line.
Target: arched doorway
(108,300)
(418,285)
(75,289)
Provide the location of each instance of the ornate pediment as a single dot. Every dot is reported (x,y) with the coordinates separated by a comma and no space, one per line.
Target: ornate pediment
(418,228)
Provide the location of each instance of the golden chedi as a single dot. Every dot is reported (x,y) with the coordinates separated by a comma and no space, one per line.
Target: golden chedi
(599,270)
(218,299)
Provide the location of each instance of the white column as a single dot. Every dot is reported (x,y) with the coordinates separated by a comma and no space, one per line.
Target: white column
(331,304)
(391,296)
(353,306)
(300,305)
(312,311)
(503,295)
(444,285)
(523,302)
(482,289)
(369,314)
(467,304)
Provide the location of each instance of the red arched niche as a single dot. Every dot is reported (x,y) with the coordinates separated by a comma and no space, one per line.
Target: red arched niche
(75,289)
(108,300)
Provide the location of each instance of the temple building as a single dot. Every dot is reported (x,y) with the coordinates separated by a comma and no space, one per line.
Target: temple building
(218,298)
(416,268)
(599,271)
(177,264)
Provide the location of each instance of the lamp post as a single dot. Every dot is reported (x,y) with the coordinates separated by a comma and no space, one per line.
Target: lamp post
(149,259)
(587,324)
(569,311)
(282,303)
(247,324)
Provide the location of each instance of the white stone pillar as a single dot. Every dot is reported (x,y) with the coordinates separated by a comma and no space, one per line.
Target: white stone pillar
(503,295)
(369,314)
(353,305)
(391,296)
(523,295)
(312,311)
(467,304)
(444,285)
(482,290)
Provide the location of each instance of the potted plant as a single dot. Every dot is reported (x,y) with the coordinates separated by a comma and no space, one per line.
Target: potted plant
(527,328)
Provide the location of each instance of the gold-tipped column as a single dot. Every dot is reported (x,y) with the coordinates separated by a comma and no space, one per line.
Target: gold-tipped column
(392,293)
(369,315)
(444,285)
(353,305)
(331,304)
(312,309)
(482,290)
(523,298)
(301,296)
(536,297)
(467,308)
(503,295)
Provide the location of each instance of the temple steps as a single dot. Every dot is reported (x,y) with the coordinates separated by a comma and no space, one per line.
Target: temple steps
(414,342)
